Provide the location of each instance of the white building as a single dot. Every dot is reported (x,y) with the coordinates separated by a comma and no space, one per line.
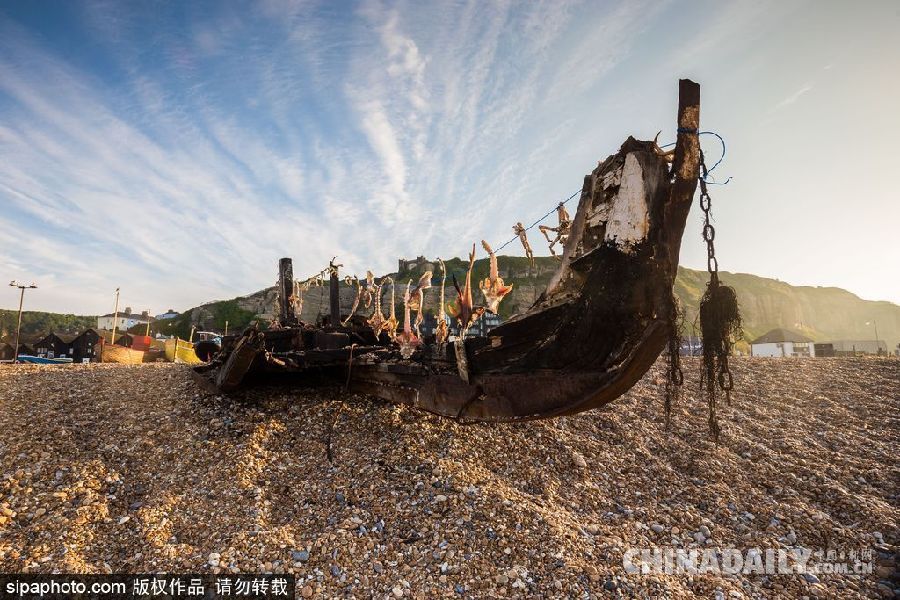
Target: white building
(126,320)
(782,342)
(169,314)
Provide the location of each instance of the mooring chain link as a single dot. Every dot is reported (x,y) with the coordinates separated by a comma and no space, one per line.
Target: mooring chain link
(724,376)
(675,376)
(709,232)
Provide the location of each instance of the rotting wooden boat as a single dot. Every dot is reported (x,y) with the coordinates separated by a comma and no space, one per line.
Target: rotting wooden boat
(602,321)
(181,351)
(114,353)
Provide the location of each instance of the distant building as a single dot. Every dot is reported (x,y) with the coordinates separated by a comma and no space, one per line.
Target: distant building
(53,345)
(481,327)
(8,344)
(782,343)
(823,350)
(79,347)
(858,347)
(410,265)
(169,314)
(7,350)
(126,320)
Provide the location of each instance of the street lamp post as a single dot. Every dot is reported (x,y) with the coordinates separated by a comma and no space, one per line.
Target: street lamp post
(22,287)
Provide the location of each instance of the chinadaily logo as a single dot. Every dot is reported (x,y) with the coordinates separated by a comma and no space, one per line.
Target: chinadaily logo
(662,560)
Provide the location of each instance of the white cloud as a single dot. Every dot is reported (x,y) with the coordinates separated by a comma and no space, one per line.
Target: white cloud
(791,98)
(189,168)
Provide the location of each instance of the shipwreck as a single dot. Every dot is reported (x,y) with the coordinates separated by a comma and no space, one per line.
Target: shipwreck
(599,325)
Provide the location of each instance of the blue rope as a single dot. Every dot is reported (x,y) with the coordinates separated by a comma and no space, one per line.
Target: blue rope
(721,158)
(679,130)
(514,238)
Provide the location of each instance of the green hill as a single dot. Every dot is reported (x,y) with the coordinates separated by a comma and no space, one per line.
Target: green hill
(821,313)
(36,323)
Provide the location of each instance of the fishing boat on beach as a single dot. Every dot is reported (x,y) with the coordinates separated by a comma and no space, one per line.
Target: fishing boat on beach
(43,360)
(604,318)
(181,351)
(120,354)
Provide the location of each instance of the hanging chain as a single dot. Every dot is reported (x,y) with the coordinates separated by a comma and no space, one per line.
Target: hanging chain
(723,375)
(675,376)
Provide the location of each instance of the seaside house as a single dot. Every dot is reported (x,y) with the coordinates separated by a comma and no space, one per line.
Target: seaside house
(80,347)
(124,321)
(7,349)
(782,343)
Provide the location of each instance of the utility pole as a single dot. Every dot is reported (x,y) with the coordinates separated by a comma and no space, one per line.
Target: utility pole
(877,347)
(148,323)
(22,287)
(226,328)
(115,318)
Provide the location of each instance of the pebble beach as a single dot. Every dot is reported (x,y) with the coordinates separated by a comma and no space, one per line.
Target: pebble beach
(115,468)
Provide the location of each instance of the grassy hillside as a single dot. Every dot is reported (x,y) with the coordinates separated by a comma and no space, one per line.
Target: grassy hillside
(35,323)
(210,316)
(822,313)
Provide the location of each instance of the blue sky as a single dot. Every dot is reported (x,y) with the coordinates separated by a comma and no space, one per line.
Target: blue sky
(177,150)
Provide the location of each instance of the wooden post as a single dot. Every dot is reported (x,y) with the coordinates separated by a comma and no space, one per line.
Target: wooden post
(286,315)
(334,298)
(687,147)
(112,339)
(686,167)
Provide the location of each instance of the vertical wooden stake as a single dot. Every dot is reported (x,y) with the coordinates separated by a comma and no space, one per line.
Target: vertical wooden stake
(334,297)
(287,318)
(112,339)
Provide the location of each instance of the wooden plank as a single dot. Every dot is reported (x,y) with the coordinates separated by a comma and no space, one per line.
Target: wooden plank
(236,366)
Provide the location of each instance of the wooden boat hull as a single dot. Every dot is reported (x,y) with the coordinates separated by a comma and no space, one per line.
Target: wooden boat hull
(181,351)
(591,335)
(112,353)
(42,360)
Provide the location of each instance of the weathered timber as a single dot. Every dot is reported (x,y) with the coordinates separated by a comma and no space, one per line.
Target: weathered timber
(595,330)
(286,316)
(334,297)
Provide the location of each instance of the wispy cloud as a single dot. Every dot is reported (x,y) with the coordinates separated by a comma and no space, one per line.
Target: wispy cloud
(791,98)
(208,150)
(179,152)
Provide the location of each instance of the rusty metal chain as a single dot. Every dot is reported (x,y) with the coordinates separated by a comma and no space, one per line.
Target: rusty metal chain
(724,377)
(675,376)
